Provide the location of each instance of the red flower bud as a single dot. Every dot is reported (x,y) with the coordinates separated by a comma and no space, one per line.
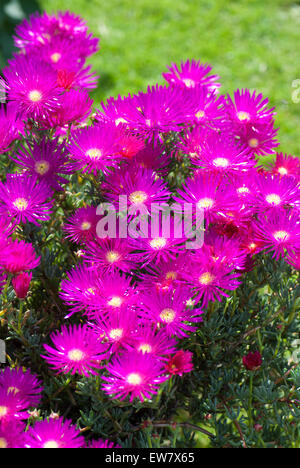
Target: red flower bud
(252,361)
(21,284)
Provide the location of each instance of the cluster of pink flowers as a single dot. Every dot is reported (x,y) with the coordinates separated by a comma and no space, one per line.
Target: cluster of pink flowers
(138,300)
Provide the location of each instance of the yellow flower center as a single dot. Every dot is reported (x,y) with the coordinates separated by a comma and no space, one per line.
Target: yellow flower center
(85,226)
(21,204)
(76,355)
(138,197)
(42,167)
(94,153)
(282,170)
(3,443)
(55,57)
(90,291)
(243,190)
(281,235)
(205,203)
(35,95)
(158,243)
(112,256)
(206,278)
(200,114)
(145,348)
(115,301)
(134,379)
(120,120)
(116,333)
(167,315)
(172,275)
(253,142)
(189,83)
(50,444)
(221,162)
(3,411)
(273,199)
(242,116)
(14,390)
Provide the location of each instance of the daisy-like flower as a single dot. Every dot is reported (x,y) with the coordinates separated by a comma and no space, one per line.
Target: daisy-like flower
(209,281)
(170,311)
(77,350)
(25,200)
(275,192)
(248,109)
(259,140)
(54,433)
(82,79)
(18,256)
(45,160)
(109,255)
(180,363)
(278,233)
(152,157)
(120,110)
(31,84)
(133,374)
(79,288)
(12,435)
(141,187)
(11,125)
(21,284)
(60,52)
(157,343)
(12,408)
(210,193)
(81,226)
(286,165)
(102,444)
(191,73)
(156,249)
(116,328)
(23,384)
(208,110)
(220,249)
(165,275)
(94,148)
(129,144)
(34,31)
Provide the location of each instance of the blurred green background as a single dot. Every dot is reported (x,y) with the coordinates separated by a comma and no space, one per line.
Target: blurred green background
(251,44)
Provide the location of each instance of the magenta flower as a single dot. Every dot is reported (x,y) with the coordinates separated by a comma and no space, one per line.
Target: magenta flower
(109,255)
(21,284)
(12,408)
(81,226)
(45,160)
(156,249)
(133,374)
(102,444)
(12,435)
(286,165)
(11,126)
(77,350)
(180,363)
(278,233)
(25,200)
(170,311)
(152,157)
(81,79)
(248,109)
(94,148)
(156,343)
(191,74)
(19,256)
(165,275)
(259,140)
(54,433)
(22,384)
(31,84)
(252,361)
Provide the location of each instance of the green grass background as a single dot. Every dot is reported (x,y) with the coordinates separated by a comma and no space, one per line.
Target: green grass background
(251,44)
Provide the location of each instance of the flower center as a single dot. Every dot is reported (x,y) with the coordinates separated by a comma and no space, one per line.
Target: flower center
(282,170)
(112,256)
(253,142)
(281,235)
(206,278)
(42,167)
(55,57)
(3,443)
(172,275)
(243,190)
(3,411)
(90,291)
(189,83)
(14,390)
(200,114)
(85,226)
(205,203)
(120,120)
(116,333)
(145,348)
(76,355)
(51,444)
(35,95)
(221,162)
(115,301)
(273,199)
(138,197)
(94,153)
(134,379)
(21,204)
(158,243)
(243,116)
(167,315)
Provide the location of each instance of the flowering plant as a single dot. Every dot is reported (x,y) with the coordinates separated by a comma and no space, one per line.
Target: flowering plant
(149,259)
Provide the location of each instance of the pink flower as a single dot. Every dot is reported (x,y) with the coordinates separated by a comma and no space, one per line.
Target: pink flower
(252,361)
(180,363)
(21,284)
